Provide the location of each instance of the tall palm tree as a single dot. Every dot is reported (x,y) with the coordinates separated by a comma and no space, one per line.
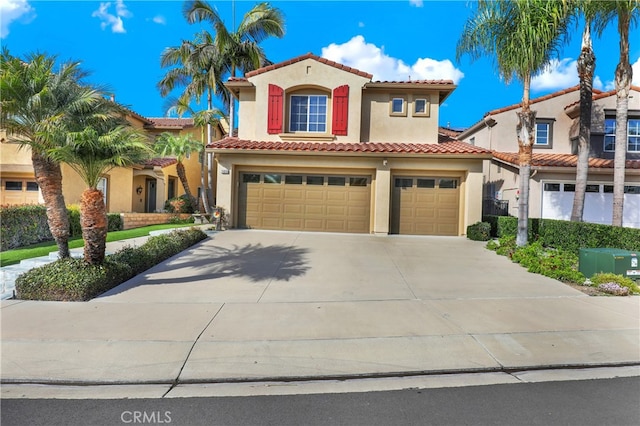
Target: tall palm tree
(180,147)
(239,48)
(208,118)
(520,36)
(92,150)
(628,13)
(36,99)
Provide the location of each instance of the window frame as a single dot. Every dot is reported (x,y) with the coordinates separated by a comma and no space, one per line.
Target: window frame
(549,123)
(427,107)
(612,134)
(402,113)
(308,113)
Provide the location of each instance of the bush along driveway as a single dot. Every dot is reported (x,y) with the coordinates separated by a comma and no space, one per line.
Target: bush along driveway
(75,280)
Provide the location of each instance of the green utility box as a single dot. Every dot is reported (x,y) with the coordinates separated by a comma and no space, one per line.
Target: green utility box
(616,261)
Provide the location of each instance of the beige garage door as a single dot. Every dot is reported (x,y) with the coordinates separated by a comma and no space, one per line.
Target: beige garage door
(425,205)
(304,202)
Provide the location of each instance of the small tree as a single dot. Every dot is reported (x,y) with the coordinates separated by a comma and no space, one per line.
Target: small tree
(180,146)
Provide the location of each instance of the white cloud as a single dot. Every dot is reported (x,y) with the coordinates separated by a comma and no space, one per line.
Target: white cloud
(361,24)
(11,10)
(368,57)
(159,19)
(110,20)
(559,74)
(597,83)
(416,3)
(636,72)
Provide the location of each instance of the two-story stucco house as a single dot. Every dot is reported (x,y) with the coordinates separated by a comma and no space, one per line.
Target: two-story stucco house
(553,171)
(322,147)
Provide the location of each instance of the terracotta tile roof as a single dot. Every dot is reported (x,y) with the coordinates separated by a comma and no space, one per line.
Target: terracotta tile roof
(449,132)
(308,56)
(407,82)
(452,147)
(601,95)
(536,100)
(171,122)
(562,160)
(161,162)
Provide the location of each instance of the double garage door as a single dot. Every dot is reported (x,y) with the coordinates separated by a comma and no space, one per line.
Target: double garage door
(304,202)
(342,203)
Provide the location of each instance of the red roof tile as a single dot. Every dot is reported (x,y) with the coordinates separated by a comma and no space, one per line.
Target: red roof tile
(562,160)
(600,95)
(161,162)
(536,100)
(171,122)
(450,147)
(416,82)
(308,56)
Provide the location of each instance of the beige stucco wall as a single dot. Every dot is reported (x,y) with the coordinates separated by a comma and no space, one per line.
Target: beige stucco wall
(301,77)
(119,188)
(378,125)
(468,170)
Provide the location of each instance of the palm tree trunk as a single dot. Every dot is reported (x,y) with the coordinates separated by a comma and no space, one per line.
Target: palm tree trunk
(586,68)
(525,129)
(185,183)
(93,220)
(49,177)
(205,183)
(623,85)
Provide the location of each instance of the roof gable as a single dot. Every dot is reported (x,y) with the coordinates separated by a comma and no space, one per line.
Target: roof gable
(304,57)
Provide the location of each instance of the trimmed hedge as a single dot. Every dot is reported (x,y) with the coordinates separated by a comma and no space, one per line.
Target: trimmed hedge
(25,225)
(74,280)
(566,235)
(480,231)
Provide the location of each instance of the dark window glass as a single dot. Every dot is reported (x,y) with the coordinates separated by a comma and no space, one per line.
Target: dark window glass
(569,187)
(552,187)
(13,185)
(251,178)
(593,188)
(403,183)
(32,186)
(608,189)
(315,180)
(272,178)
(629,189)
(426,183)
(358,181)
(293,180)
(337,181)
(448,184)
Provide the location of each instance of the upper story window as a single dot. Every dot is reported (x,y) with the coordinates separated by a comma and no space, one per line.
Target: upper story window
(308,113)
(544,134)
(633,135)
(421,107)
(398,106)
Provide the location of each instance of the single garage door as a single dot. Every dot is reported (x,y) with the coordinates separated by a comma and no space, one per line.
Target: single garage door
(425,205)
(304,202)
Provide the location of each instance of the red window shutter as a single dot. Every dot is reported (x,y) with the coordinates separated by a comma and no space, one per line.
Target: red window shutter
(274,111)
(340,110)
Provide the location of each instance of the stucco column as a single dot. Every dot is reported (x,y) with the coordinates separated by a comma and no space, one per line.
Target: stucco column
(161,191)
(382,201)
(225,189)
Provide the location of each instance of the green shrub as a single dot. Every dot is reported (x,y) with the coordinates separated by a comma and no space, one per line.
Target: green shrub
(75,280)
(114,222)
(480,231)
(506,246)
(573,236)
(181,204)
(73,211)
(605,278)
(502,226)
(23,225)
(70,280)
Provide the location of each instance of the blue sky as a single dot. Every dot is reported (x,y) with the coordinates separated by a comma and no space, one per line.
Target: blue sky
(120,42)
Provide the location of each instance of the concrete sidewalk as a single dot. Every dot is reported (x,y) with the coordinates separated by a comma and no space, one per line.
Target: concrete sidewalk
(280,306)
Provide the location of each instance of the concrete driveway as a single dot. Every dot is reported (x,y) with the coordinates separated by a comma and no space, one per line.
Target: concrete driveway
(259,305)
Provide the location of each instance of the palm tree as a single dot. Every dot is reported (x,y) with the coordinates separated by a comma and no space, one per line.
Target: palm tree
(520,36)
(37,99)
(92,150)
(180,147)
(628,14)
(239,50)
(201,119)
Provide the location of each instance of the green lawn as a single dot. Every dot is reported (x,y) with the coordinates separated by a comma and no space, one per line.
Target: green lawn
(11,257)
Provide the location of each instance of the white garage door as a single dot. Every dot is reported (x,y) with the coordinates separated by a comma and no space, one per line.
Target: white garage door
(557,202)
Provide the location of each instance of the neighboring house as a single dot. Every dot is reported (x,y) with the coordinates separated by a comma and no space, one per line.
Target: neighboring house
(142,188)
(322,147)
(554,161)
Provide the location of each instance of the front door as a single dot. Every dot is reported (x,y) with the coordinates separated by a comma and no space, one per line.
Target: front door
(150,205)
